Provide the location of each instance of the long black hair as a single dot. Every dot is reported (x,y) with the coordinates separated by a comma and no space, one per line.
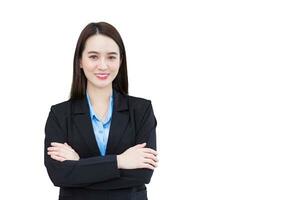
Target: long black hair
(79,83)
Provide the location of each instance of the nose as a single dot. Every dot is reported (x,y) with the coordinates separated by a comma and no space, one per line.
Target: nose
(102,64)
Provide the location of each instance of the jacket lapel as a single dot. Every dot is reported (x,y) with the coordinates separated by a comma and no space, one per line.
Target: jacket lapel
(83,125)
(119,122)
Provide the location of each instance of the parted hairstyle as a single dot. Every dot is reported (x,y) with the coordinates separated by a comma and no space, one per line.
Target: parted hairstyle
(79,82)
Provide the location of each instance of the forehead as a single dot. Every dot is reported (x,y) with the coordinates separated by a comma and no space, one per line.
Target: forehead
(101,43)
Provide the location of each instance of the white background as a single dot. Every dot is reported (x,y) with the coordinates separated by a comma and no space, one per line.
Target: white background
(223,77)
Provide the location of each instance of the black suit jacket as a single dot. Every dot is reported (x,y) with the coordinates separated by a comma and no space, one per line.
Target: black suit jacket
(95,176)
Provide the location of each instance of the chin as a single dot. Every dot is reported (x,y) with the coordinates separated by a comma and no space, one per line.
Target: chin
(103,85)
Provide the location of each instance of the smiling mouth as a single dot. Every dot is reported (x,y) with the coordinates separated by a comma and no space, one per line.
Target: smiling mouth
(102,76)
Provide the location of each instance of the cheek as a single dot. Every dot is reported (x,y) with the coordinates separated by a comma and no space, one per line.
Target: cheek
(114,67)
(88,68)
(88,65)
(88,72)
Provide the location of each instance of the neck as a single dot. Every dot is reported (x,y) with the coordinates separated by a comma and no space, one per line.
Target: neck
(99,94)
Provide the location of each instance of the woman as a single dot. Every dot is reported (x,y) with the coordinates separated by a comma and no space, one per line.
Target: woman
(101,143)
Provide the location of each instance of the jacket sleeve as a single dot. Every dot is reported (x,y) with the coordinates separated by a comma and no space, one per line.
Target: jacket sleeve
(146,132)
(80,173)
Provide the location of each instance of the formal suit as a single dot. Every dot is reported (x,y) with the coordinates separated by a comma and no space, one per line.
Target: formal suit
(95,176)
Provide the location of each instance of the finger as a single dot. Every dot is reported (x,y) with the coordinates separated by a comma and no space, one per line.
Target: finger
(57,144)
(66,144)
(148,166)
(63,145)
(52,153)
(148,150)
(57,148)
(56,153)
(69,147)
(51,148)
(57,158)
(151,156)
(60,152)
(151,162)
(140,145)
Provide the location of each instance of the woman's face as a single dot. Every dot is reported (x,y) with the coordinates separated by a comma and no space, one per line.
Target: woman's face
(100,61)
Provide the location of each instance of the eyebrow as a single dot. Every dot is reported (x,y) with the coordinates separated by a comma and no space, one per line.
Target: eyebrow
(110,53)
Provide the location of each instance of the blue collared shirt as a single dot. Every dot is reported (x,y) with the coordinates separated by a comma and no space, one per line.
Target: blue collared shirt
(101,128)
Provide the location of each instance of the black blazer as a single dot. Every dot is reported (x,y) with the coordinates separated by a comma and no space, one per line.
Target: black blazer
(95,176)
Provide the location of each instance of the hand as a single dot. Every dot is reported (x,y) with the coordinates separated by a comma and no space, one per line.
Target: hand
(138,157)
(62,152)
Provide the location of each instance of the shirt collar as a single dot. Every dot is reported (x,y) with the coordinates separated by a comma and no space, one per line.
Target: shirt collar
(93,113)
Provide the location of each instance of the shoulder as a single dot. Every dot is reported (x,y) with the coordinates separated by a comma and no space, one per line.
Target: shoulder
(61,108)
(141,108)
(138,103)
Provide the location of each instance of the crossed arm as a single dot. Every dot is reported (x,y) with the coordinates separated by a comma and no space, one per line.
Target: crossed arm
(135,157)
(131,168)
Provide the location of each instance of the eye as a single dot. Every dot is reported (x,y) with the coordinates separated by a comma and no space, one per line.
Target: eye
(93,57)
(111,57)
